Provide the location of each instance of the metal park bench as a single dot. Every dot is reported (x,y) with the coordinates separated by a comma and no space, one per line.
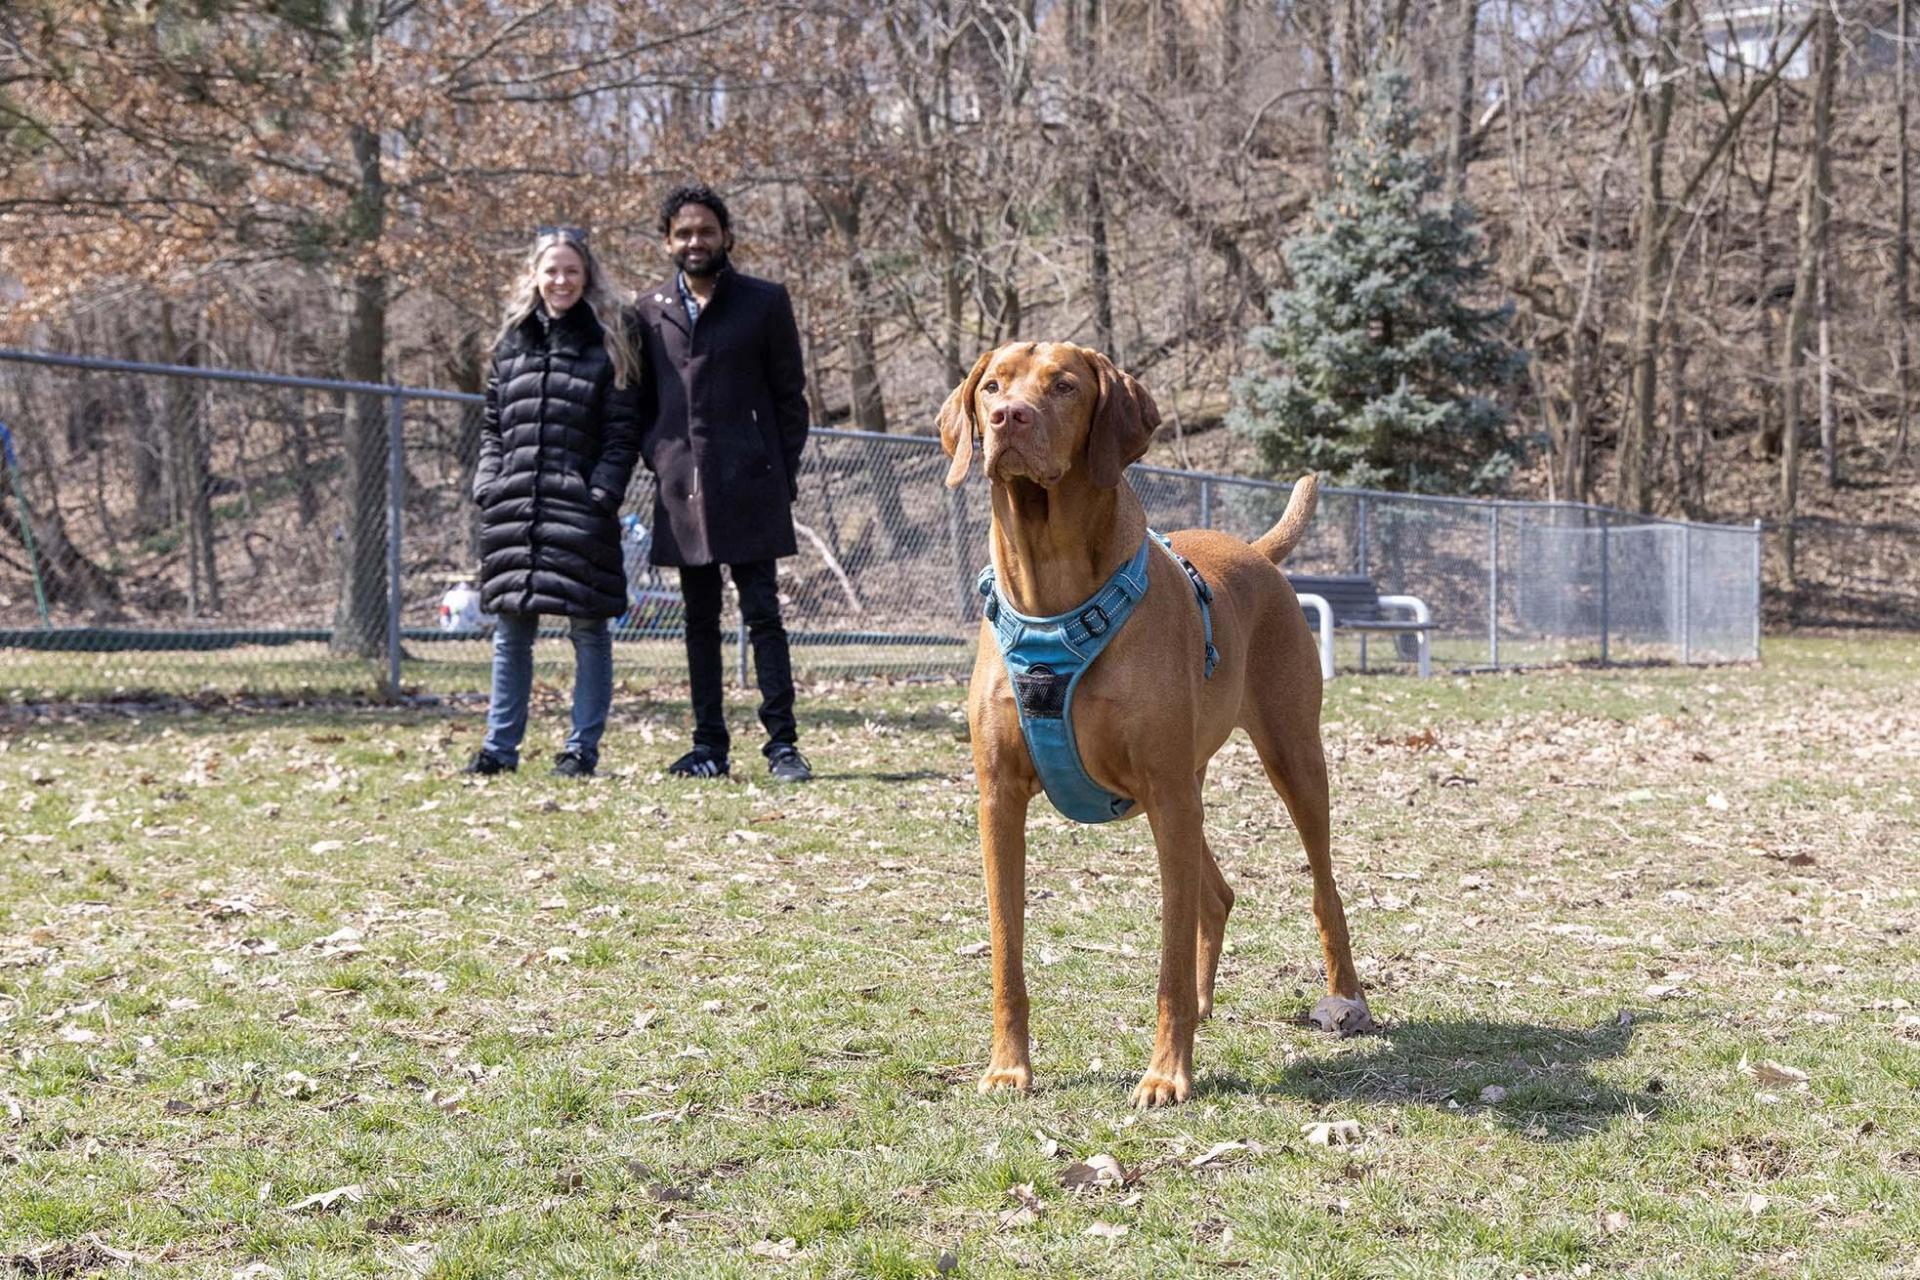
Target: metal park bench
(1351,602)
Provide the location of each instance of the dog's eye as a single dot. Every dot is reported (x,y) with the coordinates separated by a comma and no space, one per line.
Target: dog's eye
(990,386)
(1063,387)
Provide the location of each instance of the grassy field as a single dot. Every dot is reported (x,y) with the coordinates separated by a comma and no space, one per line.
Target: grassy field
(281,995)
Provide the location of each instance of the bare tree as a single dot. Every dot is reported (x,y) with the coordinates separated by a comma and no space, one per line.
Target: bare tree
(1816,195)
(1903,237)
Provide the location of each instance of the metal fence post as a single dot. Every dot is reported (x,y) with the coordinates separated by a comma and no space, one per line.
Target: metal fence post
(1361,505)
(1606,585)
(1206,503)
(1493,586)
(1686,594)
(740,650)
(1759,580)
(396,500)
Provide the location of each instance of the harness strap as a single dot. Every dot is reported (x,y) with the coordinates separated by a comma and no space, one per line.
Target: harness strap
(1201,592)
(1045,658)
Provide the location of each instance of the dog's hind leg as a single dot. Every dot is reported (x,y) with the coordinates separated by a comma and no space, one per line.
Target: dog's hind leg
(1297,767)
(1216,902)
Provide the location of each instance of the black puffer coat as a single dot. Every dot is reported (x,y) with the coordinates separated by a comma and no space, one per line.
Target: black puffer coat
(556,432)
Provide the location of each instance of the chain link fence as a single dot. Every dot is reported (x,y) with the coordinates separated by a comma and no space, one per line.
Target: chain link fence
(181,530)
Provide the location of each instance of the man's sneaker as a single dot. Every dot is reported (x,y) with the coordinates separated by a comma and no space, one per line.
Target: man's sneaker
(571,764)
(700,763)
(786,764)
(486,765)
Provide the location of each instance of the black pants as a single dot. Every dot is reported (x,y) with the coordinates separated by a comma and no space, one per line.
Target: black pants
(772,667)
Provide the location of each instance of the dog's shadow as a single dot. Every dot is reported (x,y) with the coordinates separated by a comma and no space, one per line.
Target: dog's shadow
(1534,1079)
(1548,1091)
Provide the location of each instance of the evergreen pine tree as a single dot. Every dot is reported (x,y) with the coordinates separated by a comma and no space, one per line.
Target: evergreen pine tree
(1383,375)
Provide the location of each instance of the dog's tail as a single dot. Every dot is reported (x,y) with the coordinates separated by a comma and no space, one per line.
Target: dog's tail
(1276,543)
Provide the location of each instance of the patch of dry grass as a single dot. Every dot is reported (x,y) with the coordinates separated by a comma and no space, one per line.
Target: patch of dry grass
(249,961)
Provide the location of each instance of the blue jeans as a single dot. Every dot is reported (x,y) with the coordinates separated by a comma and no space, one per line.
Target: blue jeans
(513,635)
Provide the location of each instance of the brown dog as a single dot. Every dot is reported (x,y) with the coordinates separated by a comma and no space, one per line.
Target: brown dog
(1057,425)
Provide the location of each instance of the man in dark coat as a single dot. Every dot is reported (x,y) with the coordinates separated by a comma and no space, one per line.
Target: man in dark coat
(723,419)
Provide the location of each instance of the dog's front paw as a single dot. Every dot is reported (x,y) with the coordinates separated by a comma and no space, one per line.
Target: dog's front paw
(1018,1078)
(1157,1089)
(1343,1015)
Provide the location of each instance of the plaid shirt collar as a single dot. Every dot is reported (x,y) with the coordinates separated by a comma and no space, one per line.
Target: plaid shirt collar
(688,302)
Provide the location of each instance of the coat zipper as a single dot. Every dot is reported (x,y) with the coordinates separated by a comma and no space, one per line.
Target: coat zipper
(539,446)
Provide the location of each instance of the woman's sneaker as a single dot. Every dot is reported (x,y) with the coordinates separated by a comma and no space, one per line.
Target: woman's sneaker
(786,764)
(700,763)
(486,766)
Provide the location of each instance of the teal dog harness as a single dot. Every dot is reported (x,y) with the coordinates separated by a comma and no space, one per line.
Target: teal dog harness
(1046,657)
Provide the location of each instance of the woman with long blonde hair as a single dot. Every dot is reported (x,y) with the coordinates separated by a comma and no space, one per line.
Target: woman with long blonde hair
(558,442)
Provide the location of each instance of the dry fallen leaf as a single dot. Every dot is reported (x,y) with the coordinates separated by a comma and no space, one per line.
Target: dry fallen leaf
(1217,1150)
(418,1256)
(1334,1133)
(1027,1207)
(973,949)
(1755,1203)
(1107,1230)
(1614,1223)
(296,1085)
(1493,1095)
(1767,1071)
(781,1249)
(352,1193)
(1096,1171)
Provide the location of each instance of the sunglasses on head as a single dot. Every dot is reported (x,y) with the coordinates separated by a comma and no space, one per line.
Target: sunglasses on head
(576,234)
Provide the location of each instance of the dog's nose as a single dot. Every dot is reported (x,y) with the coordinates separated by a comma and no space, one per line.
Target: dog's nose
(1014,413)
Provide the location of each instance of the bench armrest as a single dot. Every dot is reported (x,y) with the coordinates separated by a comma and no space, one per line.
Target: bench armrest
(1421,614)
(1412,604)
(1324,611)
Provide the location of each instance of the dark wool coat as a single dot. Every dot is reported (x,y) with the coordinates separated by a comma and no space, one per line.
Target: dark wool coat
(556,431)
(723,418)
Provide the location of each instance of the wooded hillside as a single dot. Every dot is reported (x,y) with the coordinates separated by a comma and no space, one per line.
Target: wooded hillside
(1698,211)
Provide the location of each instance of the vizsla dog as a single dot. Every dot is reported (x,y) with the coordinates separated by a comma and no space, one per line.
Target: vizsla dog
(1056,426)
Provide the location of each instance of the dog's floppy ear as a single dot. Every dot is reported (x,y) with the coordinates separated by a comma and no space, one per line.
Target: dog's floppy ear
(1124,417)
(957,424)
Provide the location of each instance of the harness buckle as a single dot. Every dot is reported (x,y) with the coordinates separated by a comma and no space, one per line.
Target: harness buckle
(1087,616)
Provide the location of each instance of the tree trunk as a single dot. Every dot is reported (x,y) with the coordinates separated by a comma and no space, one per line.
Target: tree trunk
(1823,306)
(468,368)
(842,207)
(68,577)
(1816,192)
(149,461)
(1766,439)
(1320,34)
(1460,138)
(1634,453)
(300,436)
(1903,241)
(1227,58)
(1099,272)
(360,621)
(863,362)
(191,474)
